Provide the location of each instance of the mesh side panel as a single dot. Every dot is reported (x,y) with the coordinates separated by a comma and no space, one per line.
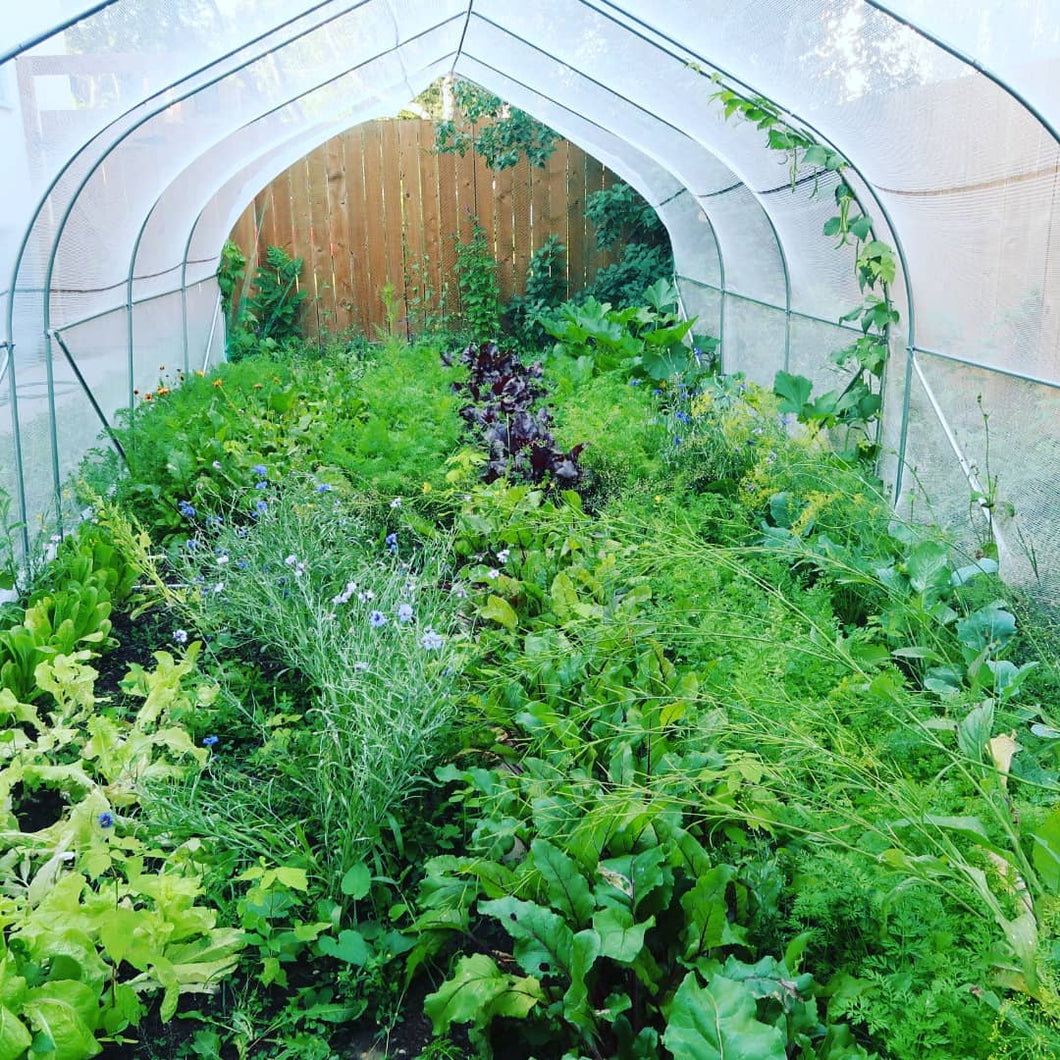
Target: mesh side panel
(205,326)
(8,481)
(1024,457)
(35,428)
(752,340)
(158,350)
(78,427)
(812,344)
(822,274)
(988,292)
(935,489)
(702,303)
(692,239)
(748,246)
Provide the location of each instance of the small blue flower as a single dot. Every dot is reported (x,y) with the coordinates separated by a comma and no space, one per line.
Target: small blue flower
(214,521)
(242,564)
(180,636)
(391,542)
(106,820)
(656,391)
(323,488)
(187,509)
(682,416)
(405,612)
(261,484)
(431,641)
(677,439)
(209,741)
(191,544)
(261,506)
(377,620)
(635,382)
(260,470)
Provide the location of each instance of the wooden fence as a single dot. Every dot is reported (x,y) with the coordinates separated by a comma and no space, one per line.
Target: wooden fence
(375,214)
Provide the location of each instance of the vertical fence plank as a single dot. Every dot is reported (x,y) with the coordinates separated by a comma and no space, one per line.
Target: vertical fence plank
(412,241)
(575,205)
(318,256)
(360,226)
(522,237)
(375,221)
(429,281)
(505,228)
(448,228)
(338,212)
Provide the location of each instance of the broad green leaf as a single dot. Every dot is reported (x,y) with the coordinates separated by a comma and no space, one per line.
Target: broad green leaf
(793,391)
(542,940)
(928,565)
(706,909)
(584,951)
(989,627)
(1046,852)
(349,947)
(357,881)
(638,875)
(477,991)
(975,729)
(620,938)
(499,610)
(568,890)
(68,1013)
(718,1022)
(14,1038)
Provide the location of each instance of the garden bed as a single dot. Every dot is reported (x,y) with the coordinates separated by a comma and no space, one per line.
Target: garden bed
(586,711)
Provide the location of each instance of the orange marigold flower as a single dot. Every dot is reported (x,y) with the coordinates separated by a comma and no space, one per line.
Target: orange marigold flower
(218,382)
(148,397)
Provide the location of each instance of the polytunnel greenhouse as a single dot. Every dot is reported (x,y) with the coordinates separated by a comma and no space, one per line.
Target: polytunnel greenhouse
(416,642)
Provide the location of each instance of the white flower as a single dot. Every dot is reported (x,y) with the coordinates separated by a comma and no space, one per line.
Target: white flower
(493,574)
(219,587)
(459,592)
(502,556)
(180,636)
(365,596)
(360,667)
(396,502)
(291,560)
(344,596)
(405,612)
(222,560)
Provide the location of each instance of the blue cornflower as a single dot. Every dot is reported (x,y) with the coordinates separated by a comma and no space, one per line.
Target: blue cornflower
(431,641)
(191,544)
(391,542)
(405,612)
(377,620)
(261,506)
(261,484)
(180,636)
(187,509)
(214,521)
(656,391)
(682,416)
(323,488)
(260,470)
(677,439)
(242,564)
(106,820)
(209,741)
(635,382)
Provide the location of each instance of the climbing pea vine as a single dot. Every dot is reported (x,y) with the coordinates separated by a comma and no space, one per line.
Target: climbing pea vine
(858,405)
